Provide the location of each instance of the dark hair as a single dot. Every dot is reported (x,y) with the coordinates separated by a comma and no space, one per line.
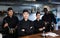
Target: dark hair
(37,13)
(45,9)
(9,9)
(25,11)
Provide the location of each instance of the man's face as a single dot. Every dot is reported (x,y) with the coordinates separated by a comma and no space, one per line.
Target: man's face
(25,15)
(38,16)
(10,12)
(45,10)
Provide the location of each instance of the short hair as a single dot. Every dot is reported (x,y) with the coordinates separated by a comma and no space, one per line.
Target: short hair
(25,11)
(9,9)
(37,13)
(45,9)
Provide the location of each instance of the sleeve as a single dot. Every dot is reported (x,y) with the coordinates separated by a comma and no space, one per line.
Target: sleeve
(32,24)
(4,30)
(43,18)
(17,20)
(16,23)
(4,21)
(32,27)
(19,33)
(54,19)
(43,24)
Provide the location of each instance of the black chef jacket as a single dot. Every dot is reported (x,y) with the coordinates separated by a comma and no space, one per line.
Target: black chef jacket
(37,25)
(27,26)
(49,18)
(12,22)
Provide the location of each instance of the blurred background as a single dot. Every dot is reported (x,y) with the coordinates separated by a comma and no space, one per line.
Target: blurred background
(33,6)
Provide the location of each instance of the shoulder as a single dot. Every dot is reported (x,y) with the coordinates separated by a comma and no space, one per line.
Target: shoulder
(21,20)
(31,21)
(41,21)
(15,16)
(19,23)
(34,21)
(5,17)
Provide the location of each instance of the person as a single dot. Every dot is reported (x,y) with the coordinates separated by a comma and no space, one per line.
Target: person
(25,26)
(10,24)
(38,24)
(48,18)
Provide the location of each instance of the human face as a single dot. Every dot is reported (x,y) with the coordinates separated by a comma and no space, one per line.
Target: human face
(38,16)
(25,15)
(45,10)
(10,12)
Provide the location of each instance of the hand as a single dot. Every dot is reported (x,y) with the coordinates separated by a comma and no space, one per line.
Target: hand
(31,27)
(5,25)
(23,30)
(45,23)
(40,29)
(13,29)
(43,27)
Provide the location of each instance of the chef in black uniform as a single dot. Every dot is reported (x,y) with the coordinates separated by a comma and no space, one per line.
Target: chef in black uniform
(10,21)
(49,19)
(38,24)
(25,27)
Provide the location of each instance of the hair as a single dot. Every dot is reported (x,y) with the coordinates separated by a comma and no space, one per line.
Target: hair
(37,13)
(25,11)
(9,9)
(45,9)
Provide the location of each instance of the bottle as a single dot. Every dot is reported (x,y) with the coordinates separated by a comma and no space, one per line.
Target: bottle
(44,34)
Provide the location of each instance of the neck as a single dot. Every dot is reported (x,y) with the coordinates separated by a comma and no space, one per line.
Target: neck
(46,12)
(10,16)
(25,19)
(38,19)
